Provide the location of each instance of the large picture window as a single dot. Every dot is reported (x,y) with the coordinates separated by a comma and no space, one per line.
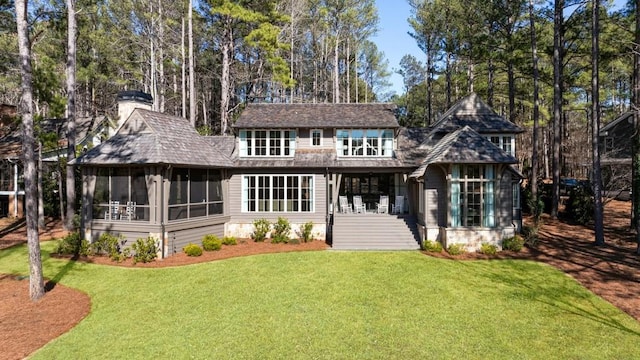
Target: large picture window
(121,194)
(195,193)
(361,142)
(472,195)
(277,193)
(267,143)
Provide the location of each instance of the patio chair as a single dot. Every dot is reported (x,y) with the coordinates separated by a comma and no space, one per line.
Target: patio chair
(345,207)
(398,207)
(383,205)
(358,205)
(130,210)
(114,211)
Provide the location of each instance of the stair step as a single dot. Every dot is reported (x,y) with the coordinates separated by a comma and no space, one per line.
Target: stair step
(374,232)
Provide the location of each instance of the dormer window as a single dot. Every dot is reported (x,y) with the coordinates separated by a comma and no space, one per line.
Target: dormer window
(259,143)
(316,137)
(504,142)
(364,142)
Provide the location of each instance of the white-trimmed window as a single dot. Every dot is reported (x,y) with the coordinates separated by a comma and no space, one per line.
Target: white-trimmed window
(473,196)
(277,193)
(316,137)
(255,143)
(364,142)
(504,142)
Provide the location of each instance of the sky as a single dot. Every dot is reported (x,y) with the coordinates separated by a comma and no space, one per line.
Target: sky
(393,38)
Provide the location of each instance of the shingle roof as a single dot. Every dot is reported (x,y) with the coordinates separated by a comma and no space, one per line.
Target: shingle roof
(318,159)
(605,129)
(473,112)
(162,139)
(273,116)
(464,146)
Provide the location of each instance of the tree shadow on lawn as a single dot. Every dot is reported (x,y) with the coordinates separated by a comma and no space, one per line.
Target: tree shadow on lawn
(552,293)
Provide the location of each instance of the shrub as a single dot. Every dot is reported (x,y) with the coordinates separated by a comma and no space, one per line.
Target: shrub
(260,229)
(294,241)
(72,244)
(229,240)
(108,244)
(305,231)
(530,234)
(514,243)
(432,246)
(580,206)
(193,249)
(488,249)
(281,230)
(211,242)
(146,250)
(455,249)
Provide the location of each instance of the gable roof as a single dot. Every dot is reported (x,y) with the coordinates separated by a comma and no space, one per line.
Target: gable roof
(279,116)
(623,117)
(464,146)
(473,112)
(149,137)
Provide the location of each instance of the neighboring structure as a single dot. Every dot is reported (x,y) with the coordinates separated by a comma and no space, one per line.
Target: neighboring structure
(452,182)
(615,154)
(11,185)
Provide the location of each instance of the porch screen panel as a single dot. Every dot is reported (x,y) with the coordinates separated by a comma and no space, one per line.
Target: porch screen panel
(179,194)
(215,193)
(198,193)
(139,194)
(101,194)
(120,185)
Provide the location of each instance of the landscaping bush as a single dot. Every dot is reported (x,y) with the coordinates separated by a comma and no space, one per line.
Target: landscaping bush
(514,243)
(455,249)
(109,245)
(580,206)
(146,250)
(281,230)
(211,242)
(72,244)
(431,246)
(229,240)
(260,229)
(530,234)
(305,231)
(488,249)
(193,249)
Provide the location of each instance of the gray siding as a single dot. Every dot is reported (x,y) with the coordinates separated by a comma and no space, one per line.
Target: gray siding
(304,139)
(235,202)
(504,200)
(436,196)
(180,235)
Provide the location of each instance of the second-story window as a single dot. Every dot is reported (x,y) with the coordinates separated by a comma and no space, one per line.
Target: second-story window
(267,143)
(316,137)
(504,142)
(361,142)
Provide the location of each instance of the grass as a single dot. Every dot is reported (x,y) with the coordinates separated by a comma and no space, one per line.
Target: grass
(333,305)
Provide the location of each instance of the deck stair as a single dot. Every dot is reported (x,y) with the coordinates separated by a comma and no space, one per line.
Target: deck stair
(372,231)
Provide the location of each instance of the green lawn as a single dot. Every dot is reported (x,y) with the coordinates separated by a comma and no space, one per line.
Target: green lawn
(335,305)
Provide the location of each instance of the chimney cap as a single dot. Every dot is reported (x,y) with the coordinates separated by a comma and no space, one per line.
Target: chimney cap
(135,95)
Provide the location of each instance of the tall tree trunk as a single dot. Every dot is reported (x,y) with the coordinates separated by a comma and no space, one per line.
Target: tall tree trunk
(161,77)
(336,73)
(72,31)
(595,124)
(511,78)
(348,68)
(227,46)
(558,51)
(192,74)
(536,114)
(41,223)
(355,70)
(429,87)
(448,78)
(184,73)
(636,136)
(490,83)
(36,285)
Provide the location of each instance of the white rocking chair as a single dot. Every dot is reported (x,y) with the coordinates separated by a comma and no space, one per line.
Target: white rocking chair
(345,207)
(383,205)
(398,207)
(358,205)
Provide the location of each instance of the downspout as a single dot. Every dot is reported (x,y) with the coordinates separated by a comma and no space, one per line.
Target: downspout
(327,217)
(165,245)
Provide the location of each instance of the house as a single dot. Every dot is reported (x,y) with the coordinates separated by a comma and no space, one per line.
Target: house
(454,182)
(90,132)
(615,154)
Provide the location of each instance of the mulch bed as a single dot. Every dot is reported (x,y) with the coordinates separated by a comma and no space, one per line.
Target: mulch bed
(610,271)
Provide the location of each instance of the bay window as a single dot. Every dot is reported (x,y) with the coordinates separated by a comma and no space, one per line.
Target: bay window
(277,193)
(473,195)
